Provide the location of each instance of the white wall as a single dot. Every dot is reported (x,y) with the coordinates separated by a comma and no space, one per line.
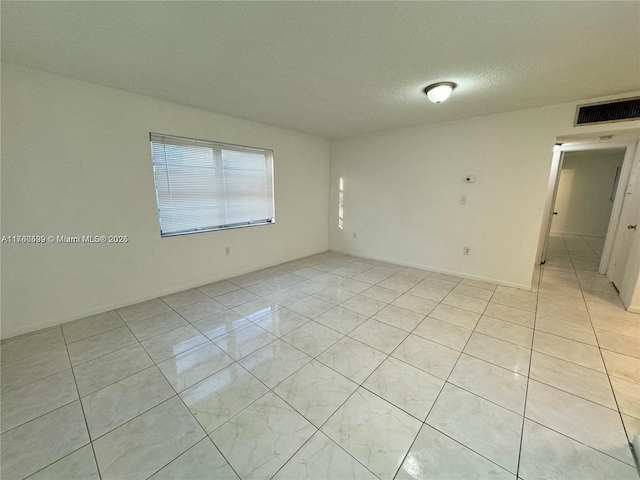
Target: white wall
(76,161)
(584,201)
(402,192)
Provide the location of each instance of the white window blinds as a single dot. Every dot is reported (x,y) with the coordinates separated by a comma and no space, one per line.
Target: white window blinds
(203,186)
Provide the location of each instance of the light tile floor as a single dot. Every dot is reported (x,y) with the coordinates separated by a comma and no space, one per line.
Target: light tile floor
(335,367)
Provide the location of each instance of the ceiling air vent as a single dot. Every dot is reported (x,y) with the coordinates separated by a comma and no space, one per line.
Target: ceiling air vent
(607,112)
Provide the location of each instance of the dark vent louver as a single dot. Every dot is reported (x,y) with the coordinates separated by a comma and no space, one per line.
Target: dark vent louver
(604,112)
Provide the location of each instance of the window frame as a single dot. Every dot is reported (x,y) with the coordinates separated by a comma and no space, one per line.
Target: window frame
(153,136)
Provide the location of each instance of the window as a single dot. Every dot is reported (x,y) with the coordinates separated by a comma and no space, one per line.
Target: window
(203,186)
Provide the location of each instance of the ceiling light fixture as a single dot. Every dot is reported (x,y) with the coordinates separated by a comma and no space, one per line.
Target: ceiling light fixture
(439,92)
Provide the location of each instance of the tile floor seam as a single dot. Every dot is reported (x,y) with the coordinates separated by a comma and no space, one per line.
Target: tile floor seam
(39,379)
(132,418)
(172,397)
(634,456)
(484,398)
(139,415)
(526,393)
(198,423)
(96,334)
(361,385)
(566,338)
(110,353)
(446,381)
(61,458)
(243,408)
(21,336)
(438,396)
(42,351)
(578,441)
(569,361)
(571,393)
(312,320)
(103,355)
(502,340)
(511,306)
(600,352)
(42,415)
(466,447)
(84,416)
(318,431)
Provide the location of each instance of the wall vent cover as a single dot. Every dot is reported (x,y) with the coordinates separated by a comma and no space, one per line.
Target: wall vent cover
(608,112)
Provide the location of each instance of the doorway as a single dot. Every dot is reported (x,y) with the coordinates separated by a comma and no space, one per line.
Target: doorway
(589,191)
(587,187)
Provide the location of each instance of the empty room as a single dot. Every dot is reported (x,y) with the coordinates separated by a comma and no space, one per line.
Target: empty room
(320,240)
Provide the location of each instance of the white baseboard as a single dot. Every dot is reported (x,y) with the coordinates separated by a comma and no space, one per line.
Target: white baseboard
(633,309)
(626,302)
(470,276)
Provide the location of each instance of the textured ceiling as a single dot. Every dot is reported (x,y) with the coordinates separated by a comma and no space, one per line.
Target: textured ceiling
(335,68)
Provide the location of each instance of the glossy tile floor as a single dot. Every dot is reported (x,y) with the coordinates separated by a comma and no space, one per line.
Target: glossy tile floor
(335,367)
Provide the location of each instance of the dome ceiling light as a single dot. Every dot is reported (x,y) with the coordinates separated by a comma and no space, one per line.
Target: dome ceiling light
(439,92)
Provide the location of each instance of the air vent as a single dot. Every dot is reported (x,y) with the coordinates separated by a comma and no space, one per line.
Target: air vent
(607,112)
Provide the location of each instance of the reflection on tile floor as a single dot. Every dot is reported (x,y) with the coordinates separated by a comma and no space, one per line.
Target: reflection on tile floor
(332,367)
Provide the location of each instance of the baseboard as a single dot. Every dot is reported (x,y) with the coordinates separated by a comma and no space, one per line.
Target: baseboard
(626,302)
(23,332)
(437,270)
(12,333)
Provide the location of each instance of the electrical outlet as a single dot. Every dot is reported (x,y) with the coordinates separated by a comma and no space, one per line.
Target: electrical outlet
(355,235)
(227,251)
(466,250)
(463,199)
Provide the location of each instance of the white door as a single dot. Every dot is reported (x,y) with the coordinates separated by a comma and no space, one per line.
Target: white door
(627,228)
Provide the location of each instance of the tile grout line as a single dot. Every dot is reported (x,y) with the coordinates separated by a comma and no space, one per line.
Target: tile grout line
(177,395)
(140,414)
(580,442)
(598,343)
(206,438)
(446,381)
(634,454)
(526,393)
(606,373)
(84,417)
(361,385)
(272,390)
(318,429)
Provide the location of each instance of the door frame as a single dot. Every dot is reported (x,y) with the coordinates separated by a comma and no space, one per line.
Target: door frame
(549,205)
(616,211)
(622,231)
